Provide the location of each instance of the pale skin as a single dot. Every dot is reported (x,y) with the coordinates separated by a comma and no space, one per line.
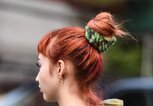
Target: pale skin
(57,83)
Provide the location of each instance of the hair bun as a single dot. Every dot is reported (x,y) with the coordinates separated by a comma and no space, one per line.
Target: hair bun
(105,24)
(101,31)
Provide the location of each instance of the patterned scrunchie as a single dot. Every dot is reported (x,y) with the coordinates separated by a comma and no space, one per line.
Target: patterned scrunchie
(100,42)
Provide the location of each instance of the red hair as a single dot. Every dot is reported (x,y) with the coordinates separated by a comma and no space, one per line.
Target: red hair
(70,43)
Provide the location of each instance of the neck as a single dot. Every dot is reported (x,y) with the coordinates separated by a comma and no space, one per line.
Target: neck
(69,96)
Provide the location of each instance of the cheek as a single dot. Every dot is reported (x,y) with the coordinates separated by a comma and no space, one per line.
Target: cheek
(49,84)
(43,76)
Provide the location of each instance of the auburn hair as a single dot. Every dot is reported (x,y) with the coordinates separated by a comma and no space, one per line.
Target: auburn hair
(70,43)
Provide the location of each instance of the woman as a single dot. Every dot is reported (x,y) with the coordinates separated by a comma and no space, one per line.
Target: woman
(70,61)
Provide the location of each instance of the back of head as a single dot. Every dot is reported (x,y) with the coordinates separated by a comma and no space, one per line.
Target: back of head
(83,51)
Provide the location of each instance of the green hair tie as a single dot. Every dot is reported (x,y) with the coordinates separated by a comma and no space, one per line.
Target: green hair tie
(99,41)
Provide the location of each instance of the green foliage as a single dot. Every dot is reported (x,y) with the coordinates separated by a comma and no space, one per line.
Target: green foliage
(123,60)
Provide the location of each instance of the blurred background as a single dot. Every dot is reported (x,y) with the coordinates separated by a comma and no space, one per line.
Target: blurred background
(128,66)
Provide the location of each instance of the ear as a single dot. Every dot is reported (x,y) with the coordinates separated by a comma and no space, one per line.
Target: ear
(61,68)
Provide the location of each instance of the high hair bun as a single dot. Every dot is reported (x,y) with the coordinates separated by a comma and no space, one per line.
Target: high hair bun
(105,24)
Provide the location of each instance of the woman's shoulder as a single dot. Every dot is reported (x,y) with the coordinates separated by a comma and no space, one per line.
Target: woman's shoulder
(112,102)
